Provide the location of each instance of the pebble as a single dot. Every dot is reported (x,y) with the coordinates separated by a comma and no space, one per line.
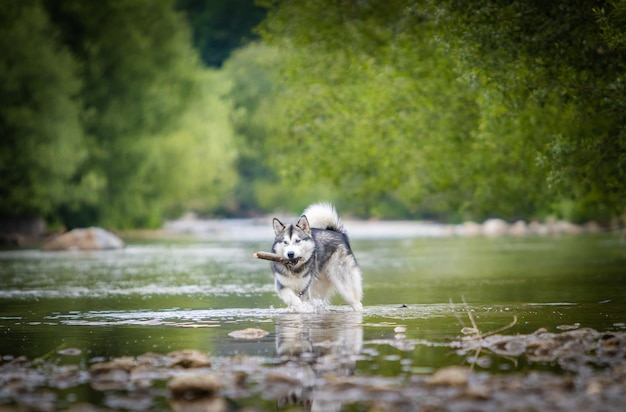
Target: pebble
(450,376)
(194,385)
(189,358)
(249,333)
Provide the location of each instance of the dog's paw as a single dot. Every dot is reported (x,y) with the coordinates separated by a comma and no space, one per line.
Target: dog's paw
(298,306)
(309,306)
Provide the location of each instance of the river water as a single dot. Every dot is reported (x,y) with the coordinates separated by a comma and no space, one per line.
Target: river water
(165,295)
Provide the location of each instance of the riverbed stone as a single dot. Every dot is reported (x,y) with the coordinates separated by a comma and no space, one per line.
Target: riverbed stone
(495,227)
(194,385)
(538,228)
(92,238)
(594,362)
(188,359)
(518,228)
(450,376)
(249,333)
(470,229)
(564,227)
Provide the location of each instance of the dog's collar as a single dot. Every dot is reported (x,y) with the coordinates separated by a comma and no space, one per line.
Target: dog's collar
(306,288)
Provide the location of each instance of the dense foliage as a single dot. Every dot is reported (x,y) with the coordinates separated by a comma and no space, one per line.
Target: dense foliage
(41,136)
(454,110)
(108,116)
(219,27)
(462,109)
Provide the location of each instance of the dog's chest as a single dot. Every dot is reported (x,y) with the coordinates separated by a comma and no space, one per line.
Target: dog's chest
(293,282)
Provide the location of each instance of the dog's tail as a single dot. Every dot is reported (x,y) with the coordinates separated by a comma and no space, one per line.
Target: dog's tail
(324,216)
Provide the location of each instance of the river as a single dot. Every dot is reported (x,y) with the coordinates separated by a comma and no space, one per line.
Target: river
(191,292)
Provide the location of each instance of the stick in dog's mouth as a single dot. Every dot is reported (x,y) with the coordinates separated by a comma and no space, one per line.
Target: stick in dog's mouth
(270,256)
(276,258)
(294,262)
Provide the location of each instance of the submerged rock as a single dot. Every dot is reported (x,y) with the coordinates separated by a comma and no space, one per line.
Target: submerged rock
(249,333)
(93,238)
(112,375)
(194,385)
(70,351)
(450,376)
(188,359)
(573,350)
(595,363)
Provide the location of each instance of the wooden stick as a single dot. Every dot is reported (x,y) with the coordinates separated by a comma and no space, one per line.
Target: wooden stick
(270,256)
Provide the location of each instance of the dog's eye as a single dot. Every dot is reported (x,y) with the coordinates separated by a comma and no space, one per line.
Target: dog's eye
(285,242)
(297,240)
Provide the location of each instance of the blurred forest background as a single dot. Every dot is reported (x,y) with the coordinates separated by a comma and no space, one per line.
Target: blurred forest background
(123,113)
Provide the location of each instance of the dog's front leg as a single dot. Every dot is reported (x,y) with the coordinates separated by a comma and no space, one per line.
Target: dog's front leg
(291,299)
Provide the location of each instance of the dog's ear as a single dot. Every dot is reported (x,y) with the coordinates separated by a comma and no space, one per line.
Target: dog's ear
(303,223)
(278,226)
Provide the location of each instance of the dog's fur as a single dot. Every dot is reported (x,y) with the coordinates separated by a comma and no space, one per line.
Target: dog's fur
(321,261)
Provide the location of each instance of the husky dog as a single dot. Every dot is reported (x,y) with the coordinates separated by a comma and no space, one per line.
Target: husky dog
(320,261)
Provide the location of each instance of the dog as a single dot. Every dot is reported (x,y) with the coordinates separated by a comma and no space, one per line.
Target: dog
(319,260)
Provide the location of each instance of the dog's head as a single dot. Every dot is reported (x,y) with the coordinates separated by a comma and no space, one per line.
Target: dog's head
(294,242)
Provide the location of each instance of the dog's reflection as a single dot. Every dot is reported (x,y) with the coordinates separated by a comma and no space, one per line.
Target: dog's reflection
(311,347)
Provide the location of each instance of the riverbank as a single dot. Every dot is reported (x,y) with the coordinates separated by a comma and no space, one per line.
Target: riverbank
(259,229)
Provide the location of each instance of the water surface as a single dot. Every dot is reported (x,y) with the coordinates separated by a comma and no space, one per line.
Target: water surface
(163,296)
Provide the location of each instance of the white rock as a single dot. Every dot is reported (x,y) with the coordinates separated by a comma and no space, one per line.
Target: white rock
(93,238)
(495,227)
(518,228)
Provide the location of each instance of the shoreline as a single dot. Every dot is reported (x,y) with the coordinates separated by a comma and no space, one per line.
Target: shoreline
(260,229)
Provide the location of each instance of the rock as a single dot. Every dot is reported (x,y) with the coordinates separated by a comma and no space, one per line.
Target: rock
(564,227)
(537,228)
(450,376)
(495,227)
(188,358)
(470,229)
(153,359)
(215,404)
(93,238)
(70,351)
(125,363)
(249,333)
(112,375)
(194,385)
(592,227)
(518,228)
(142,376)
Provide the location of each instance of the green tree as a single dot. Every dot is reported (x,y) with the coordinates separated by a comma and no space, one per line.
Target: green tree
(41,138)
(258,113)
(250,94)
(220,27)
(196,162)
(563,60)
(140,76)
(456,109)
(373,105)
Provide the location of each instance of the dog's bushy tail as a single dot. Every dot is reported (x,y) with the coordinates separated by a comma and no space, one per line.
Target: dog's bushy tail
(324,216)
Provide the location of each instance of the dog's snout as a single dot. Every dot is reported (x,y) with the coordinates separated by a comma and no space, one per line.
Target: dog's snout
(291,254)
